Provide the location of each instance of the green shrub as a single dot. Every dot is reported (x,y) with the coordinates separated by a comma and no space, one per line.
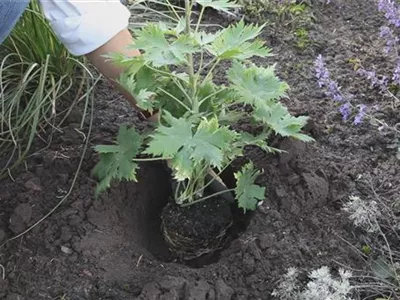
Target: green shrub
(194,132)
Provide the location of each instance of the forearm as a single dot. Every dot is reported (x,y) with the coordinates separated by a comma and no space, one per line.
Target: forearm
(118,44)
(93,29)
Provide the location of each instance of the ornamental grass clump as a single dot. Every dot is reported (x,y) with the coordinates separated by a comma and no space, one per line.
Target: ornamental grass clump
(174,77)
(34,76)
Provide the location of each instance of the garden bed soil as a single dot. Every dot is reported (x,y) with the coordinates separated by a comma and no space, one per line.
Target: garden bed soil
(112,248)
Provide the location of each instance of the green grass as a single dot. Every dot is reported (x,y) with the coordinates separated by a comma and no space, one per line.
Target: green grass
(34,78)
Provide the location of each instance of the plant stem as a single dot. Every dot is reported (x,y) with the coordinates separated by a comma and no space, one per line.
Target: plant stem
(169,4)
(192,79)
(211,70)
(208,183)
(151,159)
(167,74)
(200,18)
(208,197)
(206,66)
(211,95)
(201,61)
(195,184)
(183,90)
(177,190)
(176,99)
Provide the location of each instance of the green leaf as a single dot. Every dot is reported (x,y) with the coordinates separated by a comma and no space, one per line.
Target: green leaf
(144,99)
(206,94)
(229,117)
(116,161)
(182,76)
(259,140)
(179,28)
(147,79)
(210,142)
(167,94)
(183,166)
(383,269)
(158,51)
(247,192)
(220,5)
(279,119)
(167,141)
(207,144)
(106,148)
(203,38)
(254,85)
(131,64)
(234,43)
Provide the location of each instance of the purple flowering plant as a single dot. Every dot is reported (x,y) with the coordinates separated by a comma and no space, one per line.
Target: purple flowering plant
(361,112)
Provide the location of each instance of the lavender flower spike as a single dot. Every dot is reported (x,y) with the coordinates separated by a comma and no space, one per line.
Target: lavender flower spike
(396,74)
(373,78)
(345,110)
(361,114)
(321,71)
(324,80)
(391,10)
(391,39)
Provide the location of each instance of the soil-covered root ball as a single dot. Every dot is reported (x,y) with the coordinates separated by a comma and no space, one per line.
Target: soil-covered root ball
(198,229)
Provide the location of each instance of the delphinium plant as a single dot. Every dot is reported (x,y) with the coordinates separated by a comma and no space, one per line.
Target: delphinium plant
(174,76)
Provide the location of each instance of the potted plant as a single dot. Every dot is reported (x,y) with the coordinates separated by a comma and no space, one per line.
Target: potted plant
(175,77)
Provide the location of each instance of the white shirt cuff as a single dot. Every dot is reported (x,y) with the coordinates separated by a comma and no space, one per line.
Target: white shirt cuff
(84,25)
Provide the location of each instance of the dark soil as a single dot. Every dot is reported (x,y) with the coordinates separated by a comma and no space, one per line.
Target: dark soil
(112,248)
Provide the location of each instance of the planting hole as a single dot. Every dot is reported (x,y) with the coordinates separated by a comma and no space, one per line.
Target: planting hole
(145,202)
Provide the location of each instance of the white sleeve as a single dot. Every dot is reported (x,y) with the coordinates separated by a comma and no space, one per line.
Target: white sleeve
(85,25)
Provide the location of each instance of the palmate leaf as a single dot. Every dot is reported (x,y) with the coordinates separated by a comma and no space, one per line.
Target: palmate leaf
(179,28)
(131,64)
(143,97)
(247,192)
(168,95)
(221,5)
(158,51)
(116,161)
(211,97)
(180,142)
(148,79)
(183,165)
(259,140)
(144,100)
(211,141)
(234,42)
(279,119)
(203,38)
(229,117)
(254,85)
(167,141)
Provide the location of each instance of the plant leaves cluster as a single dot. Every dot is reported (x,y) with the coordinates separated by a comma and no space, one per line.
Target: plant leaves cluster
(194,132)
